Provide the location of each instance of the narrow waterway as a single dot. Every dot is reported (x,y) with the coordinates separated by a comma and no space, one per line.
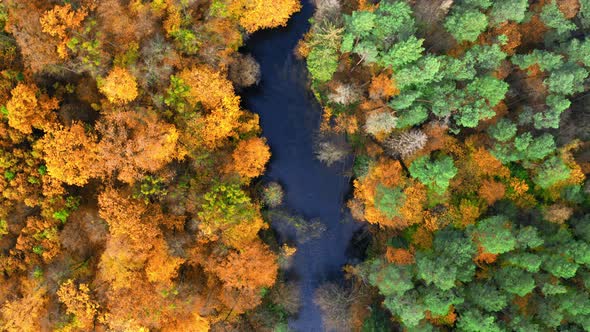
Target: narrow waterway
(290,118)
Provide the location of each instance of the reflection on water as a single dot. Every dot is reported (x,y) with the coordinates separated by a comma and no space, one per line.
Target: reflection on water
(290,117)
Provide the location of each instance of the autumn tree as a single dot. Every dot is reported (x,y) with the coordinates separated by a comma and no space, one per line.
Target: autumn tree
(79,303)
(70,154)
(28,109)
(250,157)
(256,15)
(59,20)
(120,86)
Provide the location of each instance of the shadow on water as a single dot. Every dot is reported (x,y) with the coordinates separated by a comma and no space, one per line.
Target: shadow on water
(290,117)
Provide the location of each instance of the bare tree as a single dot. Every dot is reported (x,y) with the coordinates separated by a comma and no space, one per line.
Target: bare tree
(334,302)
(345,94)
(406,143)
(244,71)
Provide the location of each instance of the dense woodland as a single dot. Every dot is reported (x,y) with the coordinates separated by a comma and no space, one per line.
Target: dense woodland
(126,168)
(469,121)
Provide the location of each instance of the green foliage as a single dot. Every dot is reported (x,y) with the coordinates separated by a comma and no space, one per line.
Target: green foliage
(551,117)
(526,261)
(449,261)
(490,88)
(438,301)
(150,188)
(579,51)
(550,172)
(547,61)
(504,130)
(360,23)
(226,199)
(412,117)
(362,164)
(494,234)
(176,94)
(322,63)
(3,228)
(389,201)
(486,296)
(390,279)
(567,80)
(553,18)
(476,321)
(525,148)
(435,174)
(509,10)
(403,53)
(514,280)
(186,40)
(466,25)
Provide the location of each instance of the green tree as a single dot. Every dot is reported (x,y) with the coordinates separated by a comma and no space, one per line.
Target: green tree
(435,174)
(389,201)
(554,18)
(550,172)
(504,130)
(486,296)
(494,234)
(476,321)
(403,53)
(466,25)
(509,10)
(322,63)
(514,280)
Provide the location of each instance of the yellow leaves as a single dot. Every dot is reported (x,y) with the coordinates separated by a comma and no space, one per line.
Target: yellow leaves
(383,86)
(250,157)
(70,154)
(58,21)
(254,15)
(78,303)
(28,110)
(207,87)
(120,87)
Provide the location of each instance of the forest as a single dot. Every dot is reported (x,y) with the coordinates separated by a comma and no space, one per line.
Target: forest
(469,124)
(134,187)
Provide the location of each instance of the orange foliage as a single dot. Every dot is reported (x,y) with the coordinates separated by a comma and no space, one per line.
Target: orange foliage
(250,157)
(78,303)
(26,312)
(120,86)
(512,32)
(484,257)
(387,173)
(448,319)
(254,15)
(26,110)
(487,164)
(57,21)
(383,86)
(532,32)
(569,8)
(134,143)
(468,213)
(492,191)
(399,256)
(70,154)
(251,268)
(411,211)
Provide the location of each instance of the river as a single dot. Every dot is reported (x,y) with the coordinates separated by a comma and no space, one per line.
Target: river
(290,117)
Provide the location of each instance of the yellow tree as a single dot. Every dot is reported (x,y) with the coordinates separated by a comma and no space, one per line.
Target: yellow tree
(78,303)
(120,86)
(254,15)
(250,157)
(70,154)
(57,21)
(28,109)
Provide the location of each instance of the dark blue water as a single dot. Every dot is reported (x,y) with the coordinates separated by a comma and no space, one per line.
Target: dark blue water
(290,118)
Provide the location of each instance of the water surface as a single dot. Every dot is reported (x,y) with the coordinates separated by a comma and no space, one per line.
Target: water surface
(290,117)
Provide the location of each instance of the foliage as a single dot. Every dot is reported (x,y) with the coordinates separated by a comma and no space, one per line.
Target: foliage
(435,174)
(120,87)
(466,25)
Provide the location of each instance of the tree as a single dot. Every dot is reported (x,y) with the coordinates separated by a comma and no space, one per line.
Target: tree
(71,155)
(120,86)
(322,63)
(515,281)
(403,53)
(435,174)
(229,214)
(504,130)
(59,20)
(389,201)
(494,234)
(27,109)
(511,10)
(380,123)
(78,303)
(206,86)
(551,172)
(253,267)
(250,157)
(406,143)
(476,321)
(466,25)
(256,15)
(554,18)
